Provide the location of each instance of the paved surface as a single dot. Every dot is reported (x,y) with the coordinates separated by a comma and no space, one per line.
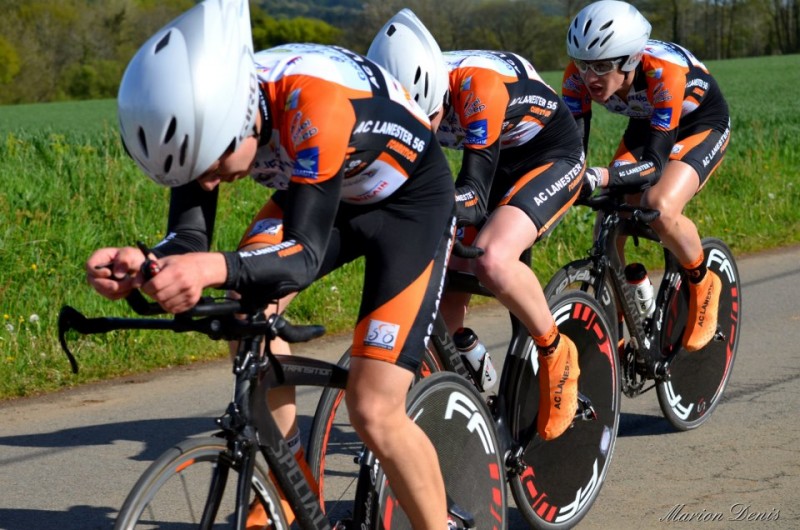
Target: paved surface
(68,460)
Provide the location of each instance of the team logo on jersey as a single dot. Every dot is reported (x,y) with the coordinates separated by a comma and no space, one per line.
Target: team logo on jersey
(270,226)
(655,74)
(573,104)
(307,163)
(291,100)
(662,118)
(473,106)
(477,132)
(466,84)
(382,334)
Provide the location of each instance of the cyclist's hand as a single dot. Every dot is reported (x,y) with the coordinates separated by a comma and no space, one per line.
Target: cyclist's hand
(114,272)
(595,177)
(179,280)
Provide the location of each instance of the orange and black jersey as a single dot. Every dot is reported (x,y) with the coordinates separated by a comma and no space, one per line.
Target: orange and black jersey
(499,102)
(336,128)
(672,93)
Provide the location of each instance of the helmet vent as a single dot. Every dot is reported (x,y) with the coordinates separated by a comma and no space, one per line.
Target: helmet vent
(170,130)
(163,42)
(184,146)
(391,30)
(167,164)
(425,88)
(143,141)
(607,39)
(417,75)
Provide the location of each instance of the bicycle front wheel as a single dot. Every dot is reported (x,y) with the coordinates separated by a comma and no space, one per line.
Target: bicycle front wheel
(173,492)
(698,379)
(334,447)
(563,477)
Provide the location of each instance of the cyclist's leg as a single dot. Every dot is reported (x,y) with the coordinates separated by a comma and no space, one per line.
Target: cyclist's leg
(402,288)
(376,399)
(506,235)
(455,305)
(683,177)
(528,213)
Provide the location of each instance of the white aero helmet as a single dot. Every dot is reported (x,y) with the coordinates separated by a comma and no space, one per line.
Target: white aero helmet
(190,92)
(607,30)
(406,48)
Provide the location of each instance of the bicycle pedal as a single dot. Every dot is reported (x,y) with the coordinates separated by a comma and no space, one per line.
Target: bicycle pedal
(585,410)
(458,517)
(343,524)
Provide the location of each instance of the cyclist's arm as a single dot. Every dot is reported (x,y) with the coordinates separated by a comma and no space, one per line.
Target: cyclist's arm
(190,225)
(278,270)
(652,162)
(576,97)
(584,122)
(474,181)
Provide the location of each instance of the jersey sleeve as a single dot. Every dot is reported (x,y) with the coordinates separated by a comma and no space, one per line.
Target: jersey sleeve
(481,101)
(578,101)
(315,129)
(190,225)
(665,90)
(317,122)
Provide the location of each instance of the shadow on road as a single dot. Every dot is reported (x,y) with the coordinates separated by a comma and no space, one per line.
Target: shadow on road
(76,518)
(642,425)
(156,435)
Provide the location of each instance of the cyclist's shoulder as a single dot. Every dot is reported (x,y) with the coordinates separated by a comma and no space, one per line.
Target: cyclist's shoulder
(312,64)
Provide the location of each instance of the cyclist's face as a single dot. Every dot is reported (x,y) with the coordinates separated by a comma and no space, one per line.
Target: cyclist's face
(231,166)
(602,87)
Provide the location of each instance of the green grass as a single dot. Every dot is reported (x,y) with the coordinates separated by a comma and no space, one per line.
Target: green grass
(68,188)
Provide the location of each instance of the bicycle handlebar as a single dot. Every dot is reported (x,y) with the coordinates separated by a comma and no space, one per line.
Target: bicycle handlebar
(213,317)
(466,251)
(613,202)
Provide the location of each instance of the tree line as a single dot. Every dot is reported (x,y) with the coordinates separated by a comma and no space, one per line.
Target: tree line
(77,49)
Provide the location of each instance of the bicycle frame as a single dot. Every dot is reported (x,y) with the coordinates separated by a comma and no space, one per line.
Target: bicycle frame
(247,424)
(609,266)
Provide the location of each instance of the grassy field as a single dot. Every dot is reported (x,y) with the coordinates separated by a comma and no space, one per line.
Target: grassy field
(68,189)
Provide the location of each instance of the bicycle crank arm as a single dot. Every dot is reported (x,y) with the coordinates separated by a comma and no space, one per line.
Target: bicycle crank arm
(585,411)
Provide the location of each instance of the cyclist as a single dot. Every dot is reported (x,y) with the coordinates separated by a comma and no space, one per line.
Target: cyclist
(522,167)
(356,166)
(676,136)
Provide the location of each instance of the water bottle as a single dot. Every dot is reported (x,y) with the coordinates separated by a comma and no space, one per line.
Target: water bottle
(477,358)
(636,275)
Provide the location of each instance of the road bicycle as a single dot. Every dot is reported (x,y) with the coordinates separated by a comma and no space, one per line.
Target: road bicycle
(553,483)
(219,481)
(689,385)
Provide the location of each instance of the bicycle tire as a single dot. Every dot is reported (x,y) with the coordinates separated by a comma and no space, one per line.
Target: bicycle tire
(333,448)
(461,428)
(581,275)
(172,492)
(698,379)
(564,476)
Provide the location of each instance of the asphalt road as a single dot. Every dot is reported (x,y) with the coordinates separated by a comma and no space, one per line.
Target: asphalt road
(68,460)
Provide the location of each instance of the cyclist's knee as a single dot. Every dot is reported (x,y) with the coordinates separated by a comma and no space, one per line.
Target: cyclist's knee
(374,420)
(491,265)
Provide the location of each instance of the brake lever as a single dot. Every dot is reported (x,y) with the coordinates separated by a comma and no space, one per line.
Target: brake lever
(66,319)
